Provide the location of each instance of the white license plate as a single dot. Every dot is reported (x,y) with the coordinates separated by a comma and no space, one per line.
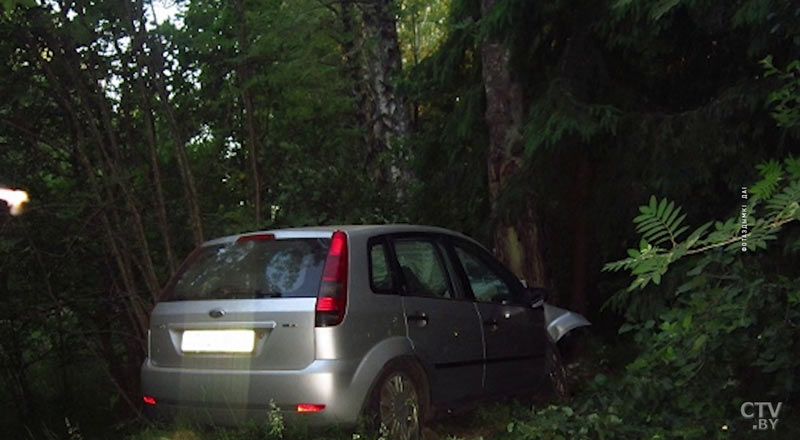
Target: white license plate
(218,341)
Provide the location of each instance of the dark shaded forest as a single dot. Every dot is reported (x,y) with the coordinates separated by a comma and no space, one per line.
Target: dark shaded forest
(603,150)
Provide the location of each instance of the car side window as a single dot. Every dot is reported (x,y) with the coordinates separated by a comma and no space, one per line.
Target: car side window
(380,277)
(486,283)
(422,268)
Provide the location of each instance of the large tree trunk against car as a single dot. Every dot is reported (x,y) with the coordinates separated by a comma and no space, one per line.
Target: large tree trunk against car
(516,239)
(389,121)
(581,235)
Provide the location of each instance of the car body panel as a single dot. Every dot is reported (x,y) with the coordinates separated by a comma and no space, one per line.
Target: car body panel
(514,353)
(284,332)
(560,321)
(448,342)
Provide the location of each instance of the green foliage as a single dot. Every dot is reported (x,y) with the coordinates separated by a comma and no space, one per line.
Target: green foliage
(660,223)
(771,172)
(725,325)
(786,99)
(661,97)
(559,115)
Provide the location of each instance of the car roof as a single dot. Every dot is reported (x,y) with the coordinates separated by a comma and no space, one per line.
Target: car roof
(327,231)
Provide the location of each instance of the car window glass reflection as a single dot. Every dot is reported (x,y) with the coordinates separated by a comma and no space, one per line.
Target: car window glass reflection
(381,278)
(486,285)
(253,269)
(422,269)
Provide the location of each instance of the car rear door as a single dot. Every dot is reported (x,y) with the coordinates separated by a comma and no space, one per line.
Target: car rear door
(513,332)
(442,325)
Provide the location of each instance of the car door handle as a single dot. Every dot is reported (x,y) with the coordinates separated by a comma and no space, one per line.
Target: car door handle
(419,317)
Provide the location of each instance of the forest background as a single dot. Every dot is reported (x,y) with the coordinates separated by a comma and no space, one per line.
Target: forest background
(539,128)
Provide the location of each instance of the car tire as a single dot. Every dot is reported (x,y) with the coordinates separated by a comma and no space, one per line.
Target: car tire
(397,403)
(556,371)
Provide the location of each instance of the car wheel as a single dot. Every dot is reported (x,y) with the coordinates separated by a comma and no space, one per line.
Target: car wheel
(556,371)
(397,406)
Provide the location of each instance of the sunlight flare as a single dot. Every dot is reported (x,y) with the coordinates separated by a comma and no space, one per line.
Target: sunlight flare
(15,199)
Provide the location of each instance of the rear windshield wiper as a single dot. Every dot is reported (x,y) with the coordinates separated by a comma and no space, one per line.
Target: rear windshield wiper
(270,294)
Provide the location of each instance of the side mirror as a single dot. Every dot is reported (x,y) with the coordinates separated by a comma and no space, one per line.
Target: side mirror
(535,296)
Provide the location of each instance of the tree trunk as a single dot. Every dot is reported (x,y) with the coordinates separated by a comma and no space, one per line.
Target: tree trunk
(179,139)
(389,121)
(247,99)
(354,69)
(120,255)
(516,240)
(146,99)
(91,96)
(581,235)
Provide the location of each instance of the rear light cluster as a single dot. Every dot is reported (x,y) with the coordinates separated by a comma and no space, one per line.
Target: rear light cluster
(149,400)
(332,296)
(309,407)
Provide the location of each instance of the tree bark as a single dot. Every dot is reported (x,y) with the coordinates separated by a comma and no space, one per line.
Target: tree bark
(581,235)
(516,240)
(389,121)
(354,69)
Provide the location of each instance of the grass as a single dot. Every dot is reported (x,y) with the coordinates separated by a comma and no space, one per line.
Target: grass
(487,422)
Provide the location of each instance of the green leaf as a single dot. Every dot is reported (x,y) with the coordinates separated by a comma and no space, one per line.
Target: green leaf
(671,218)
(697,233)
(662,8)
(771,172)
(657,278)
(792,166)
(699,342)
(661,207)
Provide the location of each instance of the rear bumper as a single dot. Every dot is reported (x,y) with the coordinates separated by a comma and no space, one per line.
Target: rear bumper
(229,397)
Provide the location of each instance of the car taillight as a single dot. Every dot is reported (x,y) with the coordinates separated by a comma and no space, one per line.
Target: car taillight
(332,296)
(149,400)
(309,407)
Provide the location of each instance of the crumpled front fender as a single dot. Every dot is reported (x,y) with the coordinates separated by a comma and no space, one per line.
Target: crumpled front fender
(559,322)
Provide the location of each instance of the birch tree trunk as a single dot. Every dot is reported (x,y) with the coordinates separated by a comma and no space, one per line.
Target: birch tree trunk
(354,69)
(389,122)
(516,239)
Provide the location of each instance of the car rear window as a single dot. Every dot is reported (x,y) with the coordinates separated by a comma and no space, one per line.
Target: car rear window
(252,269)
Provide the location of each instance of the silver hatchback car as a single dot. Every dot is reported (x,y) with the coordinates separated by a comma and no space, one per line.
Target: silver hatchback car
(327,324)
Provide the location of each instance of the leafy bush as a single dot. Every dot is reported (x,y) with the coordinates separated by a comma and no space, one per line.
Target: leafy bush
(718,330)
